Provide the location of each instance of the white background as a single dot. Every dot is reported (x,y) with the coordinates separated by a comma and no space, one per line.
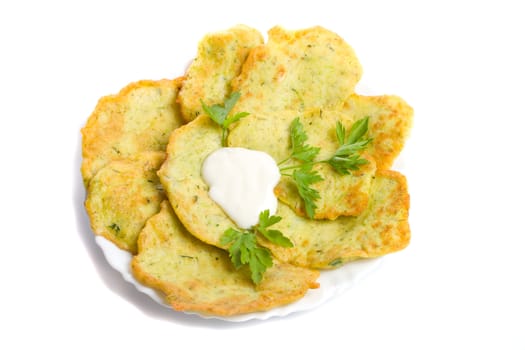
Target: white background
(459,285)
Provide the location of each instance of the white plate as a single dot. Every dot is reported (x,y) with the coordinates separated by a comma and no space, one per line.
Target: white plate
(332,283)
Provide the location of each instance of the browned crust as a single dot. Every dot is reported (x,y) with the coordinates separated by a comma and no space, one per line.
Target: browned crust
(124,193)
(382,229)
(220,57)
(297,69)
(218,288)
(181,300)
(103,129)
(390,124)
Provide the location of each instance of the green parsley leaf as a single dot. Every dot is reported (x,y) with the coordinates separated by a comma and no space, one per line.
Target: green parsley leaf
(219,114)
(358,130)
(266,220)
(346,157)
(303,174)
(274,236)
(351,148)
(300,150)
(215,112)
(234,118)
(235,238)
(304,177)
(231,101)
(277,237)
(340,131)
(259,263)
(342,165)
(244,249)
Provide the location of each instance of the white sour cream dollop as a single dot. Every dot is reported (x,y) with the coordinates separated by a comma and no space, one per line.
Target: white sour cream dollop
(241,181)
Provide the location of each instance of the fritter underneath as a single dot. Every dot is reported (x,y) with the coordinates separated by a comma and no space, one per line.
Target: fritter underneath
(297,70)
(139,118)
(197,277)
(340,195)
(122,196)
(390,121)
(219,59)
(390,124)
(381,229)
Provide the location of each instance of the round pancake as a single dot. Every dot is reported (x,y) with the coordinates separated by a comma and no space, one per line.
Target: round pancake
(122,196)
(197,277)
(180,176)
(139,118)
(219,59)
(389,124)
(380,229)
(340,195)
(297,70)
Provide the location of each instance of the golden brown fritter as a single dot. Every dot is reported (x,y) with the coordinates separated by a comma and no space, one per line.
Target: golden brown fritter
(297,70)
(122,196)
(197,277)
(180,175)
(139,118)
(390,124)
(381,229)
(340,195)
(220,57)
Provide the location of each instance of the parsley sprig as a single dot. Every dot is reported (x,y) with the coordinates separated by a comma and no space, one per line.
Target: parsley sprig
(344,159)
(219,114)
(347,156)
(242,245)
(244,249)
(303,174)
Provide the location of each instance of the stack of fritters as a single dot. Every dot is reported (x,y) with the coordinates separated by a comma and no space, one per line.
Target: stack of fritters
(143,151)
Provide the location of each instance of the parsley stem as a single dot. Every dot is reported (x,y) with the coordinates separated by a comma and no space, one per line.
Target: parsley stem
(284,160)
(296,166)
(223,137)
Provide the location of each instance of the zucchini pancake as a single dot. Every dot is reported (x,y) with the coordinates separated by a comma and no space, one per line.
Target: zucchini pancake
(292,98)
